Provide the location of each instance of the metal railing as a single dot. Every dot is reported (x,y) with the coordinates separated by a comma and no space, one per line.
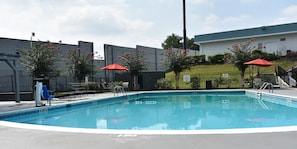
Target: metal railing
(119,89)
(261,103)
(265,85)
(259,94)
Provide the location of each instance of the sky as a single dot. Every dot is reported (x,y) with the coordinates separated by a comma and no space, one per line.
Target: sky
(135,22)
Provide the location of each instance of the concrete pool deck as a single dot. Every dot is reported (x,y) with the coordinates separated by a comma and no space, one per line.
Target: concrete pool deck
(14,138)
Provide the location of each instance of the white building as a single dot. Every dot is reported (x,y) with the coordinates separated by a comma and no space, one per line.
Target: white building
(276,39)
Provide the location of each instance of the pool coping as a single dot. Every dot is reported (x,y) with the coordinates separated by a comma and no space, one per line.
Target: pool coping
(148,132)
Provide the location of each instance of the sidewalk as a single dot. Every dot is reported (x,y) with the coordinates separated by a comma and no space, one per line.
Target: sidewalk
(281,91)
(6,106)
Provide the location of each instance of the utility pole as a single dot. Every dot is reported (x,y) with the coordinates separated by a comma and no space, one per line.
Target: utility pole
(185,32)
(31,44)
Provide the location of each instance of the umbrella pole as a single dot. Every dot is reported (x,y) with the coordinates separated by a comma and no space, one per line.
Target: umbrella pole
(113,78)
(258,74)
(249,74)
(253,76)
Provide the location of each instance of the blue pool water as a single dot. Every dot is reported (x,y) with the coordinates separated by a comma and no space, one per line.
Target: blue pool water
(168,111)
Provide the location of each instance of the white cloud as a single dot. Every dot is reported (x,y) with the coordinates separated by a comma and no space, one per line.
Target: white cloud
(130,22)
(290,11)
(101,20)
(200,1)
(215,23)
(72,20)
(210,19)
(210,3)
(209,23)
(249,1)
(238,19)
(287,15)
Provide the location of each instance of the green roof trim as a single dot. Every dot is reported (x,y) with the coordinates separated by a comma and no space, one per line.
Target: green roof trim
(251,32)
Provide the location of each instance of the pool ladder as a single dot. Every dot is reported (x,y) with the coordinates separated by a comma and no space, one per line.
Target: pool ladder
(265,85)
(119,89)
(261,103)
(259,94)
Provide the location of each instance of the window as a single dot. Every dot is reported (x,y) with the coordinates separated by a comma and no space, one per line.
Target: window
(283,39)
(260,46)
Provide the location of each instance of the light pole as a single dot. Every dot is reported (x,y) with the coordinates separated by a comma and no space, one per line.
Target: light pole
(184,22)
(32,35)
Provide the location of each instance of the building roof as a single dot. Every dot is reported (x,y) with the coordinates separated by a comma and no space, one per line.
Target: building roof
(247,33)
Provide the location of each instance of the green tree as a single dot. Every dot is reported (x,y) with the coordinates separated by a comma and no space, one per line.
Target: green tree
(191,45)
(40,59)
(175,41)
(241,54)
(172,41)
(80,65)
(177,61)
(135,64)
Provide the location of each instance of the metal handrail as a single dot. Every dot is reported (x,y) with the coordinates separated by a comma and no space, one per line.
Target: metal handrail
(264,86)
(263,105)
(117,89)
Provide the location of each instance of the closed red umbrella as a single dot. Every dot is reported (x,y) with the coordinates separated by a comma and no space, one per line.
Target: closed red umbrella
(114,67)
(259,62)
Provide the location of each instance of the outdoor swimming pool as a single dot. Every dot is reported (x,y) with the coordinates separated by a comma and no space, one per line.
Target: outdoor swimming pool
(182,110)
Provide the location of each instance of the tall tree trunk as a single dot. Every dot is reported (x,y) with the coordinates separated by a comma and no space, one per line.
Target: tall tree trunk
(135,82)
(242,79)
(177,74)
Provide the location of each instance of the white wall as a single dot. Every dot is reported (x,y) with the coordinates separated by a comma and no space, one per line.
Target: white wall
(270,44)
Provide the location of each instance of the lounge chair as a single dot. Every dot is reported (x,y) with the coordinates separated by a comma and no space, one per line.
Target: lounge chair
(126,85)
(104,84)
(46,94)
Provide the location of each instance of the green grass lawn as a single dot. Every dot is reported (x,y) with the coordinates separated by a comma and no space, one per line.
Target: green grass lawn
(207,72)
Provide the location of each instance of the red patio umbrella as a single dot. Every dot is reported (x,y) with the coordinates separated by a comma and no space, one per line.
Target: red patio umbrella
(259,62)
(114,67)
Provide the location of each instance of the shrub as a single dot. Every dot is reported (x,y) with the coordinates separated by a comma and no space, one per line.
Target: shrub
(229,81)
(164,84)
(272,57)
(195,82)
(264,55)
(216,59)
(198,59)
(92,86)
(217,81)
(227,58)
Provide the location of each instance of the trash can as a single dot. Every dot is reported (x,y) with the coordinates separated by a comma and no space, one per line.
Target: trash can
(208,84)
(45,81)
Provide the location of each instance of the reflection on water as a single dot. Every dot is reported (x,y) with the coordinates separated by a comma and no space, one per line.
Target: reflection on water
(101,124)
